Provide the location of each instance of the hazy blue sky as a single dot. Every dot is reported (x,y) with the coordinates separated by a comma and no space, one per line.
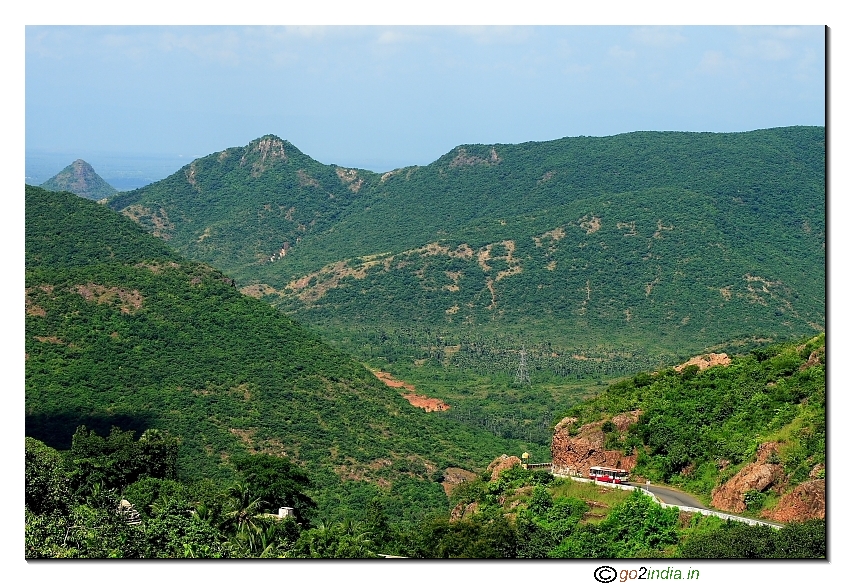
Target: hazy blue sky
(383,97)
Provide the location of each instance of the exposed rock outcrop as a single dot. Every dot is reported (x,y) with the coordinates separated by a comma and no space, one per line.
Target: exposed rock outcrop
(500,464)
(759,476)
(453,477)
(706,361)
(805,502)
(463,511)
(586,449)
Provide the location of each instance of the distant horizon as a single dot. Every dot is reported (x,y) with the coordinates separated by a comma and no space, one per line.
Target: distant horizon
(130,170)
(385,97)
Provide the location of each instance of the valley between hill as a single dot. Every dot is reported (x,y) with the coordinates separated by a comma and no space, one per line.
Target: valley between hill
(594,265)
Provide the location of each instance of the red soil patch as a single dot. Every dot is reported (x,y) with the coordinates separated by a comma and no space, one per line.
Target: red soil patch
(421,401)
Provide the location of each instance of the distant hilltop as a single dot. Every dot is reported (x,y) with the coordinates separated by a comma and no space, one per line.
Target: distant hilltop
(80,178)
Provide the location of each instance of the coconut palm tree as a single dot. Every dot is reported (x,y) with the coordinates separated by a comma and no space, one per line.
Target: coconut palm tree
(244,510)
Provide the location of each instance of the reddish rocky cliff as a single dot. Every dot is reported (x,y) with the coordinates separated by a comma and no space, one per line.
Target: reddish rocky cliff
(805,502)
(759,476)
(586,449)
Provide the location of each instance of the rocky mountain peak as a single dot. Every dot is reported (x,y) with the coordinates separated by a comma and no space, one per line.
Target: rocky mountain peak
(80,178)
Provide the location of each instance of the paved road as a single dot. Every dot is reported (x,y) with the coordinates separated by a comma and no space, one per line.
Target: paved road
(670,496)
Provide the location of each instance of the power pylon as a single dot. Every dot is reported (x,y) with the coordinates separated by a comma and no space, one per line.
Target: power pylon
(522,377)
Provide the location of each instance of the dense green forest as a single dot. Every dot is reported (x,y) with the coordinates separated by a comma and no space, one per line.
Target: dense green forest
(157,427)
(104,498)
(167,371)
(601,257)
(122,332)
(701,237)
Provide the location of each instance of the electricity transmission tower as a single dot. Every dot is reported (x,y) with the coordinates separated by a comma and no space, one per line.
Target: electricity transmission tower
(521,377)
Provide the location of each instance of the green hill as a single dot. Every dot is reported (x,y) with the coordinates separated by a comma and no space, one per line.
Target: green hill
(81,179)
(678,240)
(120,330)
(601,257)
(760,418)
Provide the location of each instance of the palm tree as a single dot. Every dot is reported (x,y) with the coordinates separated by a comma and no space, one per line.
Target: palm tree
(244,509)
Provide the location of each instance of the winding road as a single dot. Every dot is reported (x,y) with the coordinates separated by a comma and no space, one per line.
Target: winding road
(671,496)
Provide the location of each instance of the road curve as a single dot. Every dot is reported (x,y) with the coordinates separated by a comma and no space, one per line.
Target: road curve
(671,496)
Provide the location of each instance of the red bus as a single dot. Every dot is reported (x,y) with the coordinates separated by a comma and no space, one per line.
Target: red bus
(614,475)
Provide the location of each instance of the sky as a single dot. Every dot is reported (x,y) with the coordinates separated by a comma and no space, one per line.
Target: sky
(366,84)
(382,97)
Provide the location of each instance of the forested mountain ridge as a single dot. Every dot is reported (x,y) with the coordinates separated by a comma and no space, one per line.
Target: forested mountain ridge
(688,239)
(120,330)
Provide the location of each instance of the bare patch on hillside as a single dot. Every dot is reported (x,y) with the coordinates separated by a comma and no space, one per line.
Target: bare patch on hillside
(49,340)
(33,309)
(758,288)
(421,401)
(465,159)
(705,361)
(591,224)
(243,390)
(462,251)
(485,255)
(191,172)
(258,290)
(453,477)
(269,150)
(631,231)
(314,286)
(158,219)
(349,176)
(546,177)
(659,231)
(305,179)
(551,265)
(552,236)
(651,285)
(128,301)
(387,175)
(492,291)
(455,277)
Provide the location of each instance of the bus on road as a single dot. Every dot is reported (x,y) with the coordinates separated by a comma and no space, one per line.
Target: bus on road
(613,475)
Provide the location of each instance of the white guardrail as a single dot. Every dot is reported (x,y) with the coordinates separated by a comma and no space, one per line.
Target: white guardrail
(705,511)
